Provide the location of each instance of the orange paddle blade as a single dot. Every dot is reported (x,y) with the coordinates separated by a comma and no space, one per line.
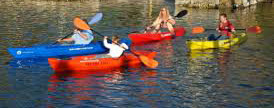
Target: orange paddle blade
(80,24)
(197,30)
(255,29)
(151,63)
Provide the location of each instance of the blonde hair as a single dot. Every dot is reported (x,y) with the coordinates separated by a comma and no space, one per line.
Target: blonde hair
(167,15)
(161,16)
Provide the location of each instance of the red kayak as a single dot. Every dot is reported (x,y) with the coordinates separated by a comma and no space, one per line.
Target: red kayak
(89,63)
(143,38)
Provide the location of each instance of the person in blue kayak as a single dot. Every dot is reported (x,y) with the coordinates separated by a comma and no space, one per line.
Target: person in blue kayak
(79,37)
(225,27)
(164,20)
(116,49)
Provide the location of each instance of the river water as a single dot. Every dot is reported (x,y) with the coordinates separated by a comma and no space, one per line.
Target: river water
(238,77)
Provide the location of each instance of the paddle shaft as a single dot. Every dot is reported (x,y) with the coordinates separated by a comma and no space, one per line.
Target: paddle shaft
(107,38)
(254,29)
(64,37)
(235,29)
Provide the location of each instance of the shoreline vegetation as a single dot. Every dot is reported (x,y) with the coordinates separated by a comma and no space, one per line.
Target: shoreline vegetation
(216,4)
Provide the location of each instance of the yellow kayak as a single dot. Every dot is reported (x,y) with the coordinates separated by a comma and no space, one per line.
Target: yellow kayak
(206,44)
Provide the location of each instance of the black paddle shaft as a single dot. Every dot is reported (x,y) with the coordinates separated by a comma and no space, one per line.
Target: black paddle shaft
(228,29)
(113,42)
(103,36)
(64,37)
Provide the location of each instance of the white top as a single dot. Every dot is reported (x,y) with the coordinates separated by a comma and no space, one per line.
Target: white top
(115,50)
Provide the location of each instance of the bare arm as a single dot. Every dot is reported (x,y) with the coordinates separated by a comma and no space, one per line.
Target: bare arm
(106,44)
(84,36)
(65,40)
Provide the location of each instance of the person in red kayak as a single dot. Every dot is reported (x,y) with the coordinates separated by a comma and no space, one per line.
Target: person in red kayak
(225,27)
(164,20)
(116,49)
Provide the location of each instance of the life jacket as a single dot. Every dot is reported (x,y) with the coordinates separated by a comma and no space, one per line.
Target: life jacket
(226,28)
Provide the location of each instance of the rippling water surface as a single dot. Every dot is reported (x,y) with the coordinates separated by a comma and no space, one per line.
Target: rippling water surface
(238,77)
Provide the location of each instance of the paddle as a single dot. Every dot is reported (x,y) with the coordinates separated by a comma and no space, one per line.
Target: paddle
(151,63)
(92,20)
(179,15)
(254,29)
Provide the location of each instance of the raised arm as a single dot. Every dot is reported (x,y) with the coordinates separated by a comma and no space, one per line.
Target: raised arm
(106,44)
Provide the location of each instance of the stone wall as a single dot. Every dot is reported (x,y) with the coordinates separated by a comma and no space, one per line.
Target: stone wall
(218,3)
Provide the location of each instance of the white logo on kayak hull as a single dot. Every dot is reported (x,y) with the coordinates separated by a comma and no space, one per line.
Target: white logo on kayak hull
(81,48)
(21,52)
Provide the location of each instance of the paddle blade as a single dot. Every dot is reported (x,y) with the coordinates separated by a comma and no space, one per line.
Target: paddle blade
(80,24)
(255,29)
(151,63)
(95,18)
(181,14)
(197,30)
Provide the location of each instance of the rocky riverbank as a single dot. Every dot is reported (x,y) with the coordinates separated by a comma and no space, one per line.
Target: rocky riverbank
(218,3)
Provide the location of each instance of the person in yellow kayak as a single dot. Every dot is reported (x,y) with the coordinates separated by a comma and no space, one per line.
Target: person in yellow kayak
(79,37)
(225,27)
(116,49)
(164,20)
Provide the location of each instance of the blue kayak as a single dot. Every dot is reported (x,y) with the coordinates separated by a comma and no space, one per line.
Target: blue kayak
(60,50)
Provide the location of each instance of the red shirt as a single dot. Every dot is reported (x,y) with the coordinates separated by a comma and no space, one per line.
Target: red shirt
(226,28)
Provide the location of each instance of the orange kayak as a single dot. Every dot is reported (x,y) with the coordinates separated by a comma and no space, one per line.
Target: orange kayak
(89,63)
(148,37)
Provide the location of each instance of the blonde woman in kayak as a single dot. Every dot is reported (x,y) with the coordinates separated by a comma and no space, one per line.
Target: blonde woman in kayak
(164,20)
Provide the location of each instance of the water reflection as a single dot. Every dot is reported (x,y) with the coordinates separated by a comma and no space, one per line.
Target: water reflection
(106,88)
(207,73)
(28,63)
(80,86)
(165,51)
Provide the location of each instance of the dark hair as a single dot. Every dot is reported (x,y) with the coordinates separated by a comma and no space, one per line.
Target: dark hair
(115,38)
(224,15)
